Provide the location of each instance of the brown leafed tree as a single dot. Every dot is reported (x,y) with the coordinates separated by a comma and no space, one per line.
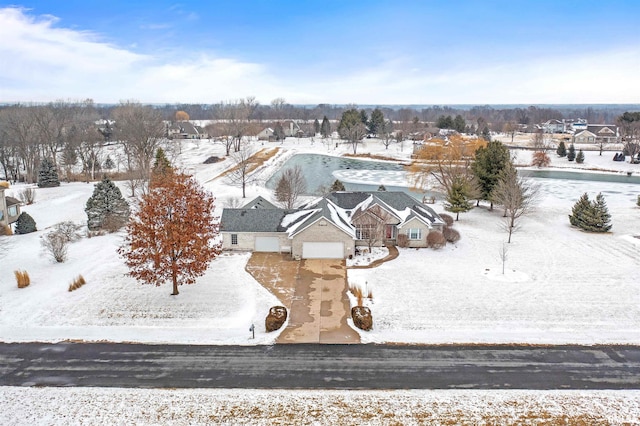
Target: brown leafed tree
(182,116)
(172,236)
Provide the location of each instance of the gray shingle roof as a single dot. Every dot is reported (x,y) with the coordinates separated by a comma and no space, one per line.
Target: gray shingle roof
(252,220)
(259,203)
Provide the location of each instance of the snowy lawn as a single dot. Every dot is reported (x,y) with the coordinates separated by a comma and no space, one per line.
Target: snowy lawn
(101,406)
(560,286)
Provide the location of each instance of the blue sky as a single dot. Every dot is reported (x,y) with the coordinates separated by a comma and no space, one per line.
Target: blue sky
(309,52)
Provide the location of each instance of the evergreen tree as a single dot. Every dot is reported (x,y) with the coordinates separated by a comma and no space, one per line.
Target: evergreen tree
(382,188)
(457,199)
(108,164)
(337,186)
(579,209)
(161,167)
(106,208)
(591,216)
(47,175)
(486,134)
(580,157)
(444,122)
(571,154)
(278,131)
(376,124)
(364,118)
(316,126)
(489,163)
(25,224)
(459,124)
(325,127)
(562,150)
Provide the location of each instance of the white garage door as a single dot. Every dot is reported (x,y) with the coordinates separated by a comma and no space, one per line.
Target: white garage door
(270,244)
(322,250)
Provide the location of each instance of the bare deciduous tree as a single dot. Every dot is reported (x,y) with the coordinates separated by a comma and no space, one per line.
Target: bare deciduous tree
(141,130)
(241,174)
(290,187)
(516,195)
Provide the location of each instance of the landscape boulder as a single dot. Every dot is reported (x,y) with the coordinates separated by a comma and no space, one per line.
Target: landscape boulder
(362,317)
(277,316)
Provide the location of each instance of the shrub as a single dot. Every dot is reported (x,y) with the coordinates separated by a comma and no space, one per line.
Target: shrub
(27,195)
(591,216)
(540,159)
(212,160)
(571,153)
(448,219)
(436,240)
(77,283)
(22,278)
(450,234)
(56,245)
(562,150)
(580,157)
(6,230)
(402,240)
(25,224)
(106,204)
(68,230)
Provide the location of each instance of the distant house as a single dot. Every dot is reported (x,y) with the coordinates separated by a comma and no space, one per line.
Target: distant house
(9,207)
(266,134)
(597,134)
(185,130)
(330,227)
(553,126)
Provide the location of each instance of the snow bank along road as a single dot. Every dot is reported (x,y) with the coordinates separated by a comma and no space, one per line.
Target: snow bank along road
(313,366)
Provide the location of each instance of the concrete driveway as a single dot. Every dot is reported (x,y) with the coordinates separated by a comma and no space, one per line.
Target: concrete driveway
(317,301)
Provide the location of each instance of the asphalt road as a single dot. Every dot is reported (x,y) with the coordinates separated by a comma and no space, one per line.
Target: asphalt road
(320,366)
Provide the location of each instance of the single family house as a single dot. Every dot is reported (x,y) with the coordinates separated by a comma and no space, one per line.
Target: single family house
(330,227)
(9,207)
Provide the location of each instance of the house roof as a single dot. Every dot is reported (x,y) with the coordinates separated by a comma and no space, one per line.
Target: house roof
(602,128)
(259,203)
(253,220)
(11,201)
(337,208)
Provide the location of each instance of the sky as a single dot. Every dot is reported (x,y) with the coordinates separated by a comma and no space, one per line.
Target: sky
(332,51)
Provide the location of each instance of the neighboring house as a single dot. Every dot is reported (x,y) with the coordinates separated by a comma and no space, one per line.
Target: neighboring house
(185,130)
(597,134)
(9,207)
(330,227)
(267,134)
(292,129)
(553,126)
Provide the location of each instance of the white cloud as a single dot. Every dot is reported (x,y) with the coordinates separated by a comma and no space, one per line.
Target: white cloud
(46,62)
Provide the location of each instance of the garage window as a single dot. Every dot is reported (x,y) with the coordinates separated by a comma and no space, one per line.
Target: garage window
(234,239)
(414,233)
(13,211)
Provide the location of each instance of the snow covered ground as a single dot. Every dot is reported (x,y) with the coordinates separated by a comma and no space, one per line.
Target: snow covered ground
(560,285)
(102,406)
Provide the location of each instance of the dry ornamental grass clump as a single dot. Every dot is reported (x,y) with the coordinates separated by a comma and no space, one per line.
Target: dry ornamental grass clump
(22,278)
(77,283)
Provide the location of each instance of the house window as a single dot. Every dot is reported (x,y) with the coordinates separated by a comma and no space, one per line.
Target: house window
(414,233)
(364,231)
(234,239)
(13,211)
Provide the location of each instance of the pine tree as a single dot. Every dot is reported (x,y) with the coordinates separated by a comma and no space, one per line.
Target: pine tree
(106,208)
(489,163)
(457,199)
(161,167)
(382,188)
(579,210)
(580,157)
(173,235)
(562,150)
(571,154)
(316,126)
(25,224)
(337,186)
(108,164)
(325,127)
(591,216)
(48,175)
(376,124)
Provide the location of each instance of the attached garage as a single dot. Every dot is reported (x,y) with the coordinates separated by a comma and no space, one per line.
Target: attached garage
(324,250)
(267,244)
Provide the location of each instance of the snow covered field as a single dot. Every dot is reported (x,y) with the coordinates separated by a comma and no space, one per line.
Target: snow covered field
(560,285)
(106,406)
